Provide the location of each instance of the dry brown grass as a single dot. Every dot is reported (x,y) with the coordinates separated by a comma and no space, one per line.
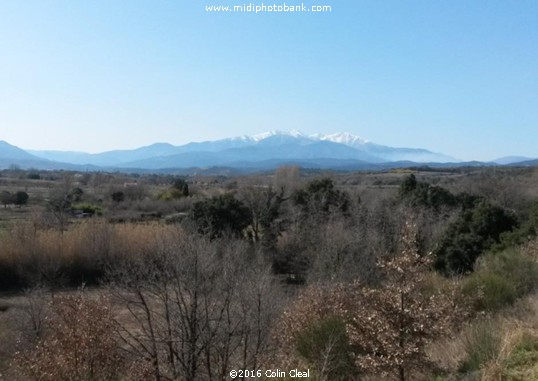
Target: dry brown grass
(513,327)
(32,255)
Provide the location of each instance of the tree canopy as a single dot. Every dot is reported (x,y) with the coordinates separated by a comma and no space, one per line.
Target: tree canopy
(221,215)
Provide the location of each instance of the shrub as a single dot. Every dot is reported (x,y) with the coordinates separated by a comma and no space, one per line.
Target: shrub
(482,343)
(80,343)
(475,231)
(522,363)
(526,232)
(326,348)
(518,269)
(118,196)
(7,198)
(33,176)
(489,291)
(181,186)
(9,277)
(179,189)
(88,208)
(408,185)
(500,279)
(171,194)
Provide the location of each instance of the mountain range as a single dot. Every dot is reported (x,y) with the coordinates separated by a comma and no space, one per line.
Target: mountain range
(264,151)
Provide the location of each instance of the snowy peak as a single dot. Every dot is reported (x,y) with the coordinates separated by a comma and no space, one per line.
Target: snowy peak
(384,153)
(340,137)
(274,146)
(344,138)
(242,138)
(268,134)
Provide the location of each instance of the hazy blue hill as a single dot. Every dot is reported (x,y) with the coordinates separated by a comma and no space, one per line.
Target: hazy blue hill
(321,163)
(13,155)
(215,145)
(526,163)
(64,156)
(401,154)
(288,149)
(122,156)
(11,152)
(512,159)
(264,151)
(271,145)
(109,158)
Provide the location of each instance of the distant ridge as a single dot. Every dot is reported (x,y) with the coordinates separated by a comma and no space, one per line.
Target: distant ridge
(343,151)
(512,160)
(526,163)
(11,155)
(270,145)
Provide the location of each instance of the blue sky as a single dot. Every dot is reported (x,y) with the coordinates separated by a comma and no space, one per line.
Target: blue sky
(458,77)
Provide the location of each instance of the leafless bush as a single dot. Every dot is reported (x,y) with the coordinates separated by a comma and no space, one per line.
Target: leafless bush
(34,313)
(195,308)
(388,326)
(342,254)
(79,345)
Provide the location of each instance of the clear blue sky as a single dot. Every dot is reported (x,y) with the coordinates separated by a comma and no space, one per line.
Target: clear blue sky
(458,77)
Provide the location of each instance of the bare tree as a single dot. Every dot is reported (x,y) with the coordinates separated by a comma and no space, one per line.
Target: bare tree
(264,205)
(287,177)
(59,203)
(79,343)
(388,326)
(34,313)
(200,307)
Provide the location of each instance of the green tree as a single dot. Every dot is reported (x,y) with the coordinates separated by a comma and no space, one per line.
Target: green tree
(182,186)
(408,185)
(221,215)
(21,198)
(425,194)
(118,196)
(321,196)
(475,231)
(7,198)
(76,194)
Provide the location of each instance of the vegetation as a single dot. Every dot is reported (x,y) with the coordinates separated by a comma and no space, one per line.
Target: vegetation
(475,231)
(355,276)
(221,215)
(79,343)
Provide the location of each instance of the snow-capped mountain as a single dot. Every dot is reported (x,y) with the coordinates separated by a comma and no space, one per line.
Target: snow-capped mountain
(269,148)
(381,152)
(343,138)
(268,134)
